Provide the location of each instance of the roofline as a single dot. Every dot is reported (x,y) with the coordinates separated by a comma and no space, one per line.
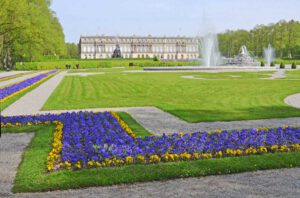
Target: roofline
(135,36)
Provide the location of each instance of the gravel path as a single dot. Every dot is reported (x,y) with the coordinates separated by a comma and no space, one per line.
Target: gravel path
(33,101)
(11,149)
(19,79)
(5,74)
(293,100)
(278,74)
(158,122)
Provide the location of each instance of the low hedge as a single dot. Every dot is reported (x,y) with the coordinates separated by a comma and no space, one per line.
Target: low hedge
(61,64)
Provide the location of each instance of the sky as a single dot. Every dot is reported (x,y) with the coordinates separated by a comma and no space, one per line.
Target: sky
(167,17)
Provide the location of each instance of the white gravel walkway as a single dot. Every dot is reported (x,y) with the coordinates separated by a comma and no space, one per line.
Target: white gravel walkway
(10,73)
(278,74)
(19,79)
(11,149)
(33,101)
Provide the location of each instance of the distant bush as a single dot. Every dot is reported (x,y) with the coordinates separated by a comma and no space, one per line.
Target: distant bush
(294,66)
(272,64)
(262,64)
(130,64)
(282,65)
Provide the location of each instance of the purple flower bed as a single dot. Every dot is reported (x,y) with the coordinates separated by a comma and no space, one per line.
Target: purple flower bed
(99,137)
(7,91)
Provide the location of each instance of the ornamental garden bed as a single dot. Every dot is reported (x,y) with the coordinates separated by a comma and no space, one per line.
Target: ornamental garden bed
(92,149)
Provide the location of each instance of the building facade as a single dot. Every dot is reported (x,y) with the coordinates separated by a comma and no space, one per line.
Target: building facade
(166,48)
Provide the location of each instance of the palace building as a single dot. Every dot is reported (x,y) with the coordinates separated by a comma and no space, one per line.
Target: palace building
(167,48)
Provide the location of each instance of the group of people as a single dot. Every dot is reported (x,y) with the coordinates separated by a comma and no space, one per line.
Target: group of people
(68,66)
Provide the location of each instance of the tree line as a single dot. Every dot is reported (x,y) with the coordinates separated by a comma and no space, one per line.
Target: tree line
(29,29)
(284,37)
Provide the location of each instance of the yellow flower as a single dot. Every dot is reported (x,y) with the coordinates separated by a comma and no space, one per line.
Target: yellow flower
(129,160)
(219,154)
(154,159)
(123,125)
(141,159)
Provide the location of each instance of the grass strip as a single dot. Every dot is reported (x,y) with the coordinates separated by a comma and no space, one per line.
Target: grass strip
(138,129)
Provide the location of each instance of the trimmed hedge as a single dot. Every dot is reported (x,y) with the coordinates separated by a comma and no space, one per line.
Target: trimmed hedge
(61,64)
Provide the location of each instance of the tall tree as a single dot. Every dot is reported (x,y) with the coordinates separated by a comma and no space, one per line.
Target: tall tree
(28,30)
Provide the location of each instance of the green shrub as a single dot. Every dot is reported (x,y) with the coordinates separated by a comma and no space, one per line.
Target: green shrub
(262,64)
(282,65)
(155,58)
(103,63)
(294,66)
(272,64)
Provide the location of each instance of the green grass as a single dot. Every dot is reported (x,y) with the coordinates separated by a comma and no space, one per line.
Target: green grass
(32,175)
(18,96)
(294,74)
(106,70)
(232,98)
(103,63)
(138,129)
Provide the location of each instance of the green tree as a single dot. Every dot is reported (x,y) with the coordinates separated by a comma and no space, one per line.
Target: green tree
(28,31)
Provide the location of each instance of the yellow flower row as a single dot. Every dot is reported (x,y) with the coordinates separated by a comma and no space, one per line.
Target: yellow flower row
(24,89)
(54,155)
(124,126)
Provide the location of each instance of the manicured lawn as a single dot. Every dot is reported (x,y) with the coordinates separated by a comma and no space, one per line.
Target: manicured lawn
(106,70)
(293,74)
(223,98)
(32,175)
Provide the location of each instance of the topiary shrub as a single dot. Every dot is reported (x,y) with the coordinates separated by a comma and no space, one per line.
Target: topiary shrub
(282,65)
(262,64)
(272,64)
(294,66)
(155,58)
(130,64)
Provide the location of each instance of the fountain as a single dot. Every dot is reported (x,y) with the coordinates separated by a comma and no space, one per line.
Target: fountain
(269,54)
(243,58)
(209,48)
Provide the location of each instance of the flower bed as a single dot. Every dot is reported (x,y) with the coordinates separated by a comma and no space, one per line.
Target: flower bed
(86,140)
(10,91)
